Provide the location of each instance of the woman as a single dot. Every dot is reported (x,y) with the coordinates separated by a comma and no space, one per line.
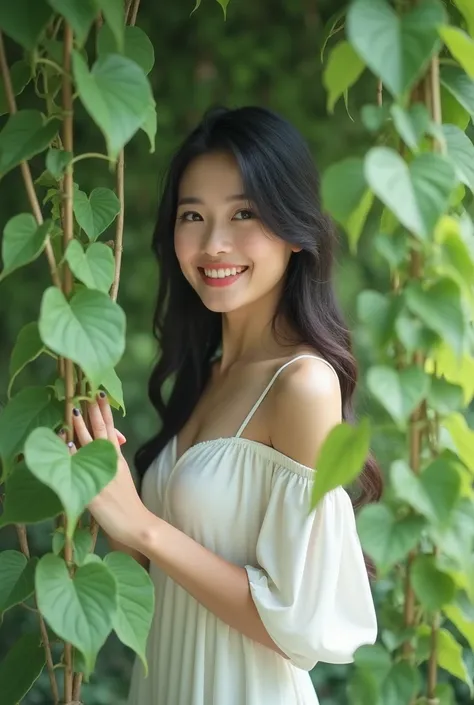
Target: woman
(252,587)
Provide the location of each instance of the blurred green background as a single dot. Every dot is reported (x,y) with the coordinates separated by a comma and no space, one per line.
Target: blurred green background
(266,53)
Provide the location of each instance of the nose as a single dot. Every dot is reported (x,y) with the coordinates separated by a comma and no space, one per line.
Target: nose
(217,240)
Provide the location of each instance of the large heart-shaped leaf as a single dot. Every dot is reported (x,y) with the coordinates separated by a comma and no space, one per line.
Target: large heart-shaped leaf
(30,408)
(343,69)
(27,348)
(449,652)
(440,308)
(461,152)
(80,14)
(96,213)
(341,458)
(90,329)
(460,86)
(401,685)
(135,602)
(398,392)
(24,135)
(397,48)
(81,609)
(115,86)
(24,20)
(23,241)
(20,668)
(461,47)
(346,196)
(417,194)
(76,479)
(385,538)
(95,267)
(433,587)
(27,500)
(137,46)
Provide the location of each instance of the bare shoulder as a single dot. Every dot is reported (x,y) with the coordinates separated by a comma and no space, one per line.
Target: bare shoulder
(305,405)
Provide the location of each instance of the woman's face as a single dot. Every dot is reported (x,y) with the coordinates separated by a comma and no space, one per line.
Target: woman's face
(224,251)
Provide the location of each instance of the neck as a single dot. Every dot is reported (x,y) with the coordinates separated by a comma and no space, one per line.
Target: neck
(248,334)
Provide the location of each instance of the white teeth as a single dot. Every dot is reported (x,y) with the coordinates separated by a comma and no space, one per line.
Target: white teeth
(222,273)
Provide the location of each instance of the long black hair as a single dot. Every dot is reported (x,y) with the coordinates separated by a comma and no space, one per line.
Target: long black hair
(281,180)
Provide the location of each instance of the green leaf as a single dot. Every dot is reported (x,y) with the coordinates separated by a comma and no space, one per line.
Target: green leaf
(196,6)
(113,386)
(115,86)
(445,397)
(461,47)
(377,312)
(20,75)
(333,26)
(363,689)
(453,259)
(114,15)
(224,4)
(398,392)
(12,20)
(24,135)
(137,47)
(411,124)
(343,69)
(413,334)
(27,348)
(76,479)
(460,86)
(79,610)
(20,668)
(440,308)
(462,437)
(462,624)
(95,267)
(23,241)
(27,500)
(17,579)
(81,543)
(452,111)
(346,197)
(461,152)
(418,194)
(90,329)
(402,684)
(466,8)
(456,370)
(450,654)
(96,213)
(149,125)
(341,458)
(385,538)
(56,162)
(395,249)
(30,408)
(80,14)
(374,658)
(433,587)
(376,31)
(135,602)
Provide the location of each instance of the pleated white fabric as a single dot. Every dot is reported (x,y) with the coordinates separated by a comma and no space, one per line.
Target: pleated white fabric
(250,504)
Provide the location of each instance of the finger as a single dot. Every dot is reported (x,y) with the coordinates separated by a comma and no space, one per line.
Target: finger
(108,418)
(72,448)
(80,428)
(97,421)
(120,437)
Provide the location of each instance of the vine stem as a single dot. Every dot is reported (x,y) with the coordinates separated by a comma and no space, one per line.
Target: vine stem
(68,234)
(25,169)
(23,541)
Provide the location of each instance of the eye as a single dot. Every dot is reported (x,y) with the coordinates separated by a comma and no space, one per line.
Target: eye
(245,213)
(190,217)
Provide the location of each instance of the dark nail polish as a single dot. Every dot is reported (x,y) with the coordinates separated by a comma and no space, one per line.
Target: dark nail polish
(62,431)
(102,395)
(76,412)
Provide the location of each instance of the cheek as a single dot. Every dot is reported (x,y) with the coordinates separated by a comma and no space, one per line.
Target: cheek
(184,248)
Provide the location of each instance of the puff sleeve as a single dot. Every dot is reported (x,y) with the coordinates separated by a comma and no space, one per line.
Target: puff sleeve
(310,586)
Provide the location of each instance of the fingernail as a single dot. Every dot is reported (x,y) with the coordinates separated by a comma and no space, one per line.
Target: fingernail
(62,431)
(70,444)
(102,395)
(76,412)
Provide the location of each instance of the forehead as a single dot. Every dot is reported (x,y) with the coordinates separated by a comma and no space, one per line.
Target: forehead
(214,175)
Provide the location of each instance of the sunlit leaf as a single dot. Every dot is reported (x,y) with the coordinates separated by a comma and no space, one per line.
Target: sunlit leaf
(343,68)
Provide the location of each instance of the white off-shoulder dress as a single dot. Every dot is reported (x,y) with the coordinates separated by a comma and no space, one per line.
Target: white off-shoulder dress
(250,504)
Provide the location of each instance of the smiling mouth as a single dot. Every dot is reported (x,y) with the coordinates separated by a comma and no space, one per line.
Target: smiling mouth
(223,276)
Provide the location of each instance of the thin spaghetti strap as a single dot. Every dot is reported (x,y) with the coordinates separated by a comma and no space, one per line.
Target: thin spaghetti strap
(269,386)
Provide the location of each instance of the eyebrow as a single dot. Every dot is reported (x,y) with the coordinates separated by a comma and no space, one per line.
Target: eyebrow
(192,200)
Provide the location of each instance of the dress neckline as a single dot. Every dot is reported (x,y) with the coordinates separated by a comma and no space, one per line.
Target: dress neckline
(259,449)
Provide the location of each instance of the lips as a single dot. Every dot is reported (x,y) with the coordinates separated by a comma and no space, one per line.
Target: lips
(221,276)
